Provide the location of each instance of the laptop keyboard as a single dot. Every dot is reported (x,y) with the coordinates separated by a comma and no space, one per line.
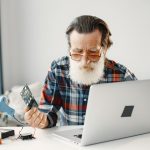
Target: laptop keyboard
(78,136)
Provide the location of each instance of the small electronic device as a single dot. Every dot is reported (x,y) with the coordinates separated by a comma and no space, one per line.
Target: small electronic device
(6,133)
(26,136)
(28,97)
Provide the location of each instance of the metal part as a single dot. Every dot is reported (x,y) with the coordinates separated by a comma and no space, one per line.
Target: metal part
(28,97)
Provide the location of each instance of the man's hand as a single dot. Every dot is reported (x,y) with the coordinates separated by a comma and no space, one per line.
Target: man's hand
(35,118)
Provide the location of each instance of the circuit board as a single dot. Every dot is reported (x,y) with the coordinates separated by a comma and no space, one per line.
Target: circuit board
(28,98)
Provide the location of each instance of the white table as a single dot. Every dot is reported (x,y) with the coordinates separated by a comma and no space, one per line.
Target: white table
(46,141)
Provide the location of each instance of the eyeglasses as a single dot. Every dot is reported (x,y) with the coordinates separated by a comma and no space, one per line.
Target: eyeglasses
(91,55)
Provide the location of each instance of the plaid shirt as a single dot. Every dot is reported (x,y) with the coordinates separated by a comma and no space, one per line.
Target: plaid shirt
(63,98)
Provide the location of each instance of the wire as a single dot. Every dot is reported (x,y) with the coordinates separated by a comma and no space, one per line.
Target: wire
(34,132)
(21,130)
(22,126)
(20,133)
(18,120)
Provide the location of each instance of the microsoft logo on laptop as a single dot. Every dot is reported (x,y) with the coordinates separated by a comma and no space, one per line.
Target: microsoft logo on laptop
(127,112)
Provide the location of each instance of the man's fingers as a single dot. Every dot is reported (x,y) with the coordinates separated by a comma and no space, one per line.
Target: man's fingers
(38,119)
(44,122)
(26,109)
(35,115)
(29,114)
(35,118)
(41,125)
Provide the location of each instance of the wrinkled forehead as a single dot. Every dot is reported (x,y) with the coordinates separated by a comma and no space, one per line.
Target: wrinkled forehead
(85,40)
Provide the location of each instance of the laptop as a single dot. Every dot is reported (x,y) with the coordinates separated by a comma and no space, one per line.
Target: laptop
(114,111)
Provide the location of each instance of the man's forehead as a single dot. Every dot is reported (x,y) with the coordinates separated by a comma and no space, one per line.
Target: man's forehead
(94,34)
(91,39)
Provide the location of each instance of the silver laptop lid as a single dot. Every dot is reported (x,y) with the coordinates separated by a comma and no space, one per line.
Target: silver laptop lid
(117,110)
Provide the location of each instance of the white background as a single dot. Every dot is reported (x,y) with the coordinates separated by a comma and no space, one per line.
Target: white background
(33,34)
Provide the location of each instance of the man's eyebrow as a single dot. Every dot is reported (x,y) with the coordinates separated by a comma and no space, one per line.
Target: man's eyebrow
(77,49)
(90,49)
(94,48)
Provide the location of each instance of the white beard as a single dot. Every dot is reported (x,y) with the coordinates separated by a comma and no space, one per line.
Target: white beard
(87,76)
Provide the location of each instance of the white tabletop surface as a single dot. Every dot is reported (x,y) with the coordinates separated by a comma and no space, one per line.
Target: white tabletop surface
(45,140)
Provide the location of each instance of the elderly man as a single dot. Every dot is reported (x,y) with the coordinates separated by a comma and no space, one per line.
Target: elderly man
(66,88)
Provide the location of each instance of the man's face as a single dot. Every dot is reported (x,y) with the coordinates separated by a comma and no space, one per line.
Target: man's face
(89,66)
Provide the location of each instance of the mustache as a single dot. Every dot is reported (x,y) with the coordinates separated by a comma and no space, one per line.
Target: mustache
(87,67)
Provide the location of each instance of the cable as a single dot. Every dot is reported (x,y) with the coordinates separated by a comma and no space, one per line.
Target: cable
(21,126)
(34,132)
(18,120)
(30,136)
(20,130)
(20,133)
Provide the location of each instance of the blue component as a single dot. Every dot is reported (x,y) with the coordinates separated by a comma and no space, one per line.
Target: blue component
(5,108)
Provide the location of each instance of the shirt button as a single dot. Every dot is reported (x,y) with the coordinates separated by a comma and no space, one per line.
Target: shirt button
(85,100)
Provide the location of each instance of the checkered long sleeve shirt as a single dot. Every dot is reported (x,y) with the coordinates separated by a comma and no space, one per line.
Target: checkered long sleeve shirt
(63,98)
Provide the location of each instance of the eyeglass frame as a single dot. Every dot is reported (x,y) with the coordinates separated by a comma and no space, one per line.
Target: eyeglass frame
(100,51)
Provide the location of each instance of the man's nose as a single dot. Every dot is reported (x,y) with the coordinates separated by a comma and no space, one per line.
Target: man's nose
(85,58)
